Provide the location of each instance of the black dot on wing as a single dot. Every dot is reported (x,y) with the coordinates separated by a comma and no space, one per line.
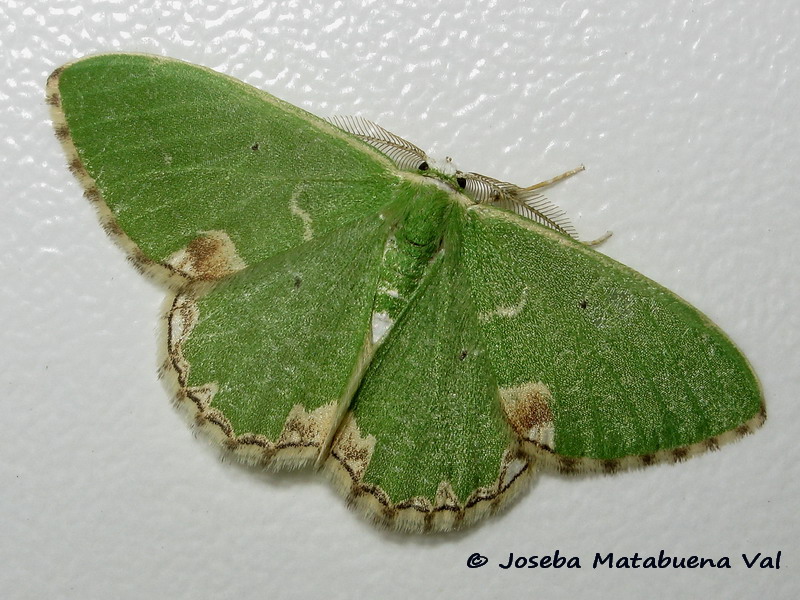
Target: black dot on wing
(423,166)
(462,182)
(583,303)
(254,147)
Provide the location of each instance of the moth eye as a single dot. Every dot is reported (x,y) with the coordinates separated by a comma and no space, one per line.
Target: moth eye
(423,166)
(462,182)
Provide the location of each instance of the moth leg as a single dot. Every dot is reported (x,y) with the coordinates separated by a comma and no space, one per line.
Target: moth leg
(556,179)
(598,241)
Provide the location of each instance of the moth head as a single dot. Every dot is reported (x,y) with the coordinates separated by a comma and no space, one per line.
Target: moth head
(446,172)
(480,189)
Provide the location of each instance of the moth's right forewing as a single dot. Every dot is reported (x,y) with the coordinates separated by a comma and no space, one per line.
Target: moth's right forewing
(599,367)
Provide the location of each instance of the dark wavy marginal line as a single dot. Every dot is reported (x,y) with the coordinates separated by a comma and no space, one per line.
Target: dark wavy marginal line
(173,356)
(224,426)
(297,445)
(445,508)
(406,504)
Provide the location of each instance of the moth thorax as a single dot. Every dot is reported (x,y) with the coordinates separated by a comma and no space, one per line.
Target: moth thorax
(423,228)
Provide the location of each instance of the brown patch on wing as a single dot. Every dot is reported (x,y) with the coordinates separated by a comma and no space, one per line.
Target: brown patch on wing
(53,99)
(353,450)
(92,194)
(208,257)
(62,131)
(306,429)
(527,408)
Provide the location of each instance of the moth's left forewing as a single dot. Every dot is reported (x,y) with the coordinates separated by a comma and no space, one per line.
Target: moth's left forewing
(197,175)
(598,367)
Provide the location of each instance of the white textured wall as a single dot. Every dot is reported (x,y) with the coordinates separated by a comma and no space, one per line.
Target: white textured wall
(685,116)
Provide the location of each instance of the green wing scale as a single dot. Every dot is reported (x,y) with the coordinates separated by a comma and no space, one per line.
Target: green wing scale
(425,348)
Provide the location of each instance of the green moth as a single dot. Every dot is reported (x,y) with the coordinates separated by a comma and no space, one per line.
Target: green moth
(424,336)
